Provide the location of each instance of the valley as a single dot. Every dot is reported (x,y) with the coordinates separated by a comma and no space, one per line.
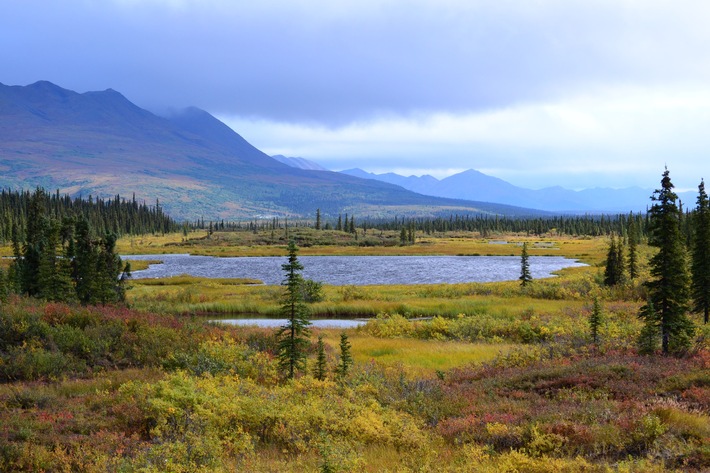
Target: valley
(446,377)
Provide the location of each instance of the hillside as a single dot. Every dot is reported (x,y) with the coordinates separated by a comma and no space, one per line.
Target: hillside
(99,143)
(300,163)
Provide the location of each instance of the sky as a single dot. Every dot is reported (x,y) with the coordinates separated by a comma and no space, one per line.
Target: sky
(597,93)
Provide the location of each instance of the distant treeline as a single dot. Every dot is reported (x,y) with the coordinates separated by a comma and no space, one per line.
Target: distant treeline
(110,216)
(584,225)
(486,225)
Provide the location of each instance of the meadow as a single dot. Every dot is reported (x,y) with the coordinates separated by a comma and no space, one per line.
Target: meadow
(447,378)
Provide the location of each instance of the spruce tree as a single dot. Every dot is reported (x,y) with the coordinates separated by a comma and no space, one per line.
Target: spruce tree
(55,281)
(615,264)
(596,319)
(633,250)
(317,219)
(293,341)
(321,367)
(346,359)
(4,290)
(670,283)
(610,270)
(701,255)
(525,276)
(403,240)
(108,286)
(620,261)
(34,244)
(85,263)
(648,338)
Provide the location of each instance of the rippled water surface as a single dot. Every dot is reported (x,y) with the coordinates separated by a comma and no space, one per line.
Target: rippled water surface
(357,270)
(271,323)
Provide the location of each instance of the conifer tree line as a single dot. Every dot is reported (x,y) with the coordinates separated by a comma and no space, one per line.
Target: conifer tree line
(63,259)
(117,215)
(486,225)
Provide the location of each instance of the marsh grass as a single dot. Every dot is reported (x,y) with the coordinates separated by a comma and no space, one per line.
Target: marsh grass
(141,264)
(417,357)
(374,243)
(185,294)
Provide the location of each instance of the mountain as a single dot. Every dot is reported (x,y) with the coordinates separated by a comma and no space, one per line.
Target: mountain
(101,144)
(474,185)
(299,163)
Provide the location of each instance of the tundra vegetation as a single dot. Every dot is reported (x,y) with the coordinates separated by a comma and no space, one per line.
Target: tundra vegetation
(560,375)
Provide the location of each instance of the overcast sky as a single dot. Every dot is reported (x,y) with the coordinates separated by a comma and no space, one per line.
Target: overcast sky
(539,93)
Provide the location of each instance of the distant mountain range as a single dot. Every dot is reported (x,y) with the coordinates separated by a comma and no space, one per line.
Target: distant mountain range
(101,144)
(474,185)
(299,163)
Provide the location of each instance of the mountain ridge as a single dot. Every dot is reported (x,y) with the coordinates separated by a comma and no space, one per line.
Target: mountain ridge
(473,185)
(100,143)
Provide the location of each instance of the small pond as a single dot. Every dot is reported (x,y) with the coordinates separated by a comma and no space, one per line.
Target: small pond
(272,323)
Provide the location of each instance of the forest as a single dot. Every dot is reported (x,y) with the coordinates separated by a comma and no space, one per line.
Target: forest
(603,368)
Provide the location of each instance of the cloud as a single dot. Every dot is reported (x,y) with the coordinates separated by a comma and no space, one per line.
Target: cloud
(335,62)
(540,93)
(620,137)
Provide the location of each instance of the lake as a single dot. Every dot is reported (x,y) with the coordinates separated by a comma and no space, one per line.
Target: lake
(357,270)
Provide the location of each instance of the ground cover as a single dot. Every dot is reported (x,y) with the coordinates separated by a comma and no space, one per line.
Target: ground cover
(499,379)
(381,243)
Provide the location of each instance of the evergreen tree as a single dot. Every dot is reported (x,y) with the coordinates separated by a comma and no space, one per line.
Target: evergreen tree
(403,240)
(317,219)
(34,245)
(85,263)
(596,319)
(293,341)
(346,359)
(620,261)
(339,226)
(55,281)
(351,227)
(321,367)
(610,267)
(4,289)
(669,286)
(648,338)
(614,269)
(633,250)
(701,255)
(525,276)
(107,288)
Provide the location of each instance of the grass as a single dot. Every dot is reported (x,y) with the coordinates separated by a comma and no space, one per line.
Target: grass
(187,294)
(141,264)
(418,357)
(331,242)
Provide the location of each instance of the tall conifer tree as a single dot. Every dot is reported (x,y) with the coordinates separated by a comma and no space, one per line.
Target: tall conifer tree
(321,368)
(346,359)
(595,320)
(633,249)
(293,341)
(525,276)
(670,283)
(701,255)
